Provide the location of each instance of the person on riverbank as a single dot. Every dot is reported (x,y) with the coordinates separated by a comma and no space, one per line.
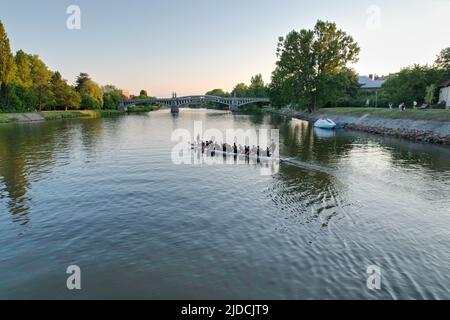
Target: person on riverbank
(235,148)
(268,152)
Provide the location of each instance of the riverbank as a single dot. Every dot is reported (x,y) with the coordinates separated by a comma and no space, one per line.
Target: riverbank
(56,115)
(428,126)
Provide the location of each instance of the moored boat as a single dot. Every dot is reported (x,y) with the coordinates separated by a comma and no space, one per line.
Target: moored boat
(325,124)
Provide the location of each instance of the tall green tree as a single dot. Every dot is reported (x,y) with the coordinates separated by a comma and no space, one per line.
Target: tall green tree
(240,90)
(257,88)
(91,93)
(112,97)
(63,94)
(443,59)
(308,60)
(217,93)
(40,77)
(7,66)
(23,65)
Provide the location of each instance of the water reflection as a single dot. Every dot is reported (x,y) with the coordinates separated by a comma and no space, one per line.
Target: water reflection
(29,153)
(26,156)
(297,234)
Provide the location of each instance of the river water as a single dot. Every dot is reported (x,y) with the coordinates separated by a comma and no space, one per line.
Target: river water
(104,194)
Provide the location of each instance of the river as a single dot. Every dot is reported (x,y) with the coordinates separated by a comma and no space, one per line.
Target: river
(105,195)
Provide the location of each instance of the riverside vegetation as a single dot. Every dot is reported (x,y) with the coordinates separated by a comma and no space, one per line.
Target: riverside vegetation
(313,71)
(28,86)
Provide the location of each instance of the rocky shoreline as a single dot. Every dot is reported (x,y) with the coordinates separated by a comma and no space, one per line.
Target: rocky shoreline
(425,131)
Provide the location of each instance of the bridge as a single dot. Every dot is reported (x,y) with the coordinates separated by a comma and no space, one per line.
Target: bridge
(175,102)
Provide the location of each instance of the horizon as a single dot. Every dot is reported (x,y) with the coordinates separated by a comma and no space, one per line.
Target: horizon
(196,47)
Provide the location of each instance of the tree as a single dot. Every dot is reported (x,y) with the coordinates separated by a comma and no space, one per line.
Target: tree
(90,92)
(217,93)
(240,90)
(257,87)
(443,59)
(7,66)
(23,65)
(308,59)
(63,95)
(430,94)
(411,84)
(40,77)
(143,93)
(112,97)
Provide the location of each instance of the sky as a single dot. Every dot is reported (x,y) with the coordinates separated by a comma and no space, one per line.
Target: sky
(193,46)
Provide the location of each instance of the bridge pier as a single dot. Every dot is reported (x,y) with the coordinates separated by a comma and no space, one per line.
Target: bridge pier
(123,107)
(174,109)
(233,108)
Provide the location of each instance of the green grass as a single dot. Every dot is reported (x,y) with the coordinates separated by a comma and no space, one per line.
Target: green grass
(4,118)
(411,114)
(142,109)
(109,113)
(54,115)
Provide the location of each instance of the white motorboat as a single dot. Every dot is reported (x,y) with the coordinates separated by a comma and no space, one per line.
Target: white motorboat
(325,124)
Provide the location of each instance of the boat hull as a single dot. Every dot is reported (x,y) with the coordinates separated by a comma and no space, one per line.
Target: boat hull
(326,124)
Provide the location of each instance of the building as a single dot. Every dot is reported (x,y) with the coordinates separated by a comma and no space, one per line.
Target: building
(444,95)
(126,95)
(369,83)
(369,87)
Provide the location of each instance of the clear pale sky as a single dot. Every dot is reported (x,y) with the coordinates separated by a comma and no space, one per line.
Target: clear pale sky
(192,46)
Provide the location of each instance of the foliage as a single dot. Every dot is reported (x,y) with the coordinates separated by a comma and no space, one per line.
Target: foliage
(311,64)
(63,95)
(112,97)
(257,88)
(91,93)
(240,90)
(443,59)
(217,93)
(430,94)
(411,84)
(7,65)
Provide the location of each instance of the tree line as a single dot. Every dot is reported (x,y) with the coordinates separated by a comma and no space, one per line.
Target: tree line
(313,71)
(27,84)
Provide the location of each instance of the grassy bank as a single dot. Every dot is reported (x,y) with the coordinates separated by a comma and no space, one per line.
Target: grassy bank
(411,114)
(53,115)
(4,118)
(57,115)
(142,109)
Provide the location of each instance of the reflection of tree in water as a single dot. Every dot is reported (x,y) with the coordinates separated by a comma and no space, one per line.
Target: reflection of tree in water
(91,132)
(26,155)
(307,197)
(299,139)
(407,153)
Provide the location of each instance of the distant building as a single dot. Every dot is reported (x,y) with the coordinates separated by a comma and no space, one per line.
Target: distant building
(445,94)
(126,94)
(370,83)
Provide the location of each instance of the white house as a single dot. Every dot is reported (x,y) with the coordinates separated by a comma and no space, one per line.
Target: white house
(445,94)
